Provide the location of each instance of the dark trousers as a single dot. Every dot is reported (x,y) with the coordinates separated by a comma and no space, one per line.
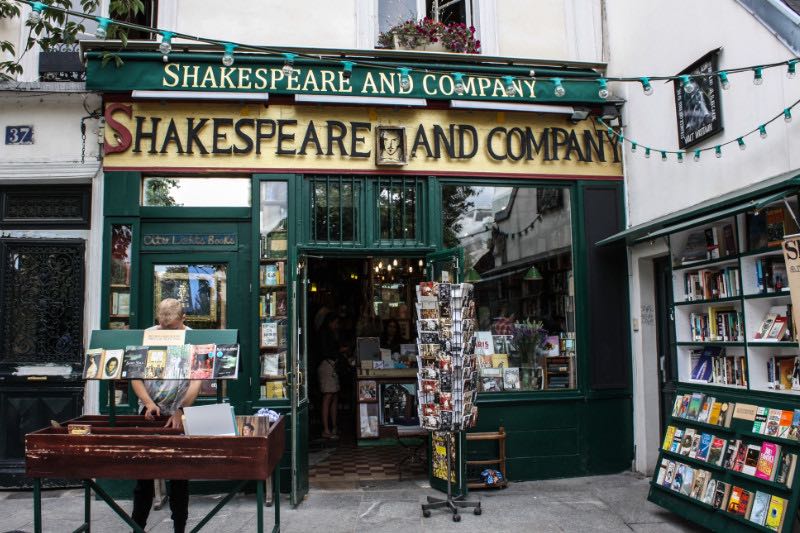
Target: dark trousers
(178,502)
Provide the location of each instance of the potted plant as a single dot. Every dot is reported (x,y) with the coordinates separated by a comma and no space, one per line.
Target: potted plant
(431,36)
(528,338)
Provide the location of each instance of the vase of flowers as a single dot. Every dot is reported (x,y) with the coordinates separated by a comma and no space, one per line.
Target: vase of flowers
(431,36)
(528,338)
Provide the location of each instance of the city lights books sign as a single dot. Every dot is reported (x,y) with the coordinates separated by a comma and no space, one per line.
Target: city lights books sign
(699,110)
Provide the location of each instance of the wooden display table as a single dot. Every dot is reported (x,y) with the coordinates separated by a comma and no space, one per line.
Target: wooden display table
(135,448)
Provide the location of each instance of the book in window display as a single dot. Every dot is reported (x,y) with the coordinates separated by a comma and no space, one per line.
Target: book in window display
(135,362)
(112,364)
(156,363)
(93,363)
(226,361)
(201,361)
(178,362)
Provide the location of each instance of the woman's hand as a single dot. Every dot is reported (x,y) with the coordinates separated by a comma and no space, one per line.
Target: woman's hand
(175,421)
(151,410)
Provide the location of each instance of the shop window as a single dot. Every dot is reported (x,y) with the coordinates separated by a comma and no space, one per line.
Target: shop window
(393,12)
(119,306)
(41,301)
(147,16)
(201,288)
(449,12)
(334,208)
(397,199)
(195,192)
(517,245)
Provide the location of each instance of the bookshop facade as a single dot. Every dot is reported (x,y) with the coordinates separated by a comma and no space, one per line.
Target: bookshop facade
(268,218)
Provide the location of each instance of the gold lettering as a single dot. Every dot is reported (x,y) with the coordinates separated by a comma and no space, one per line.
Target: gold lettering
(499,90)
(293,81)
(277,75)
(387,82)
(208,79)
(311,80)
(530,84)
(344,84)
(244,77)
(186,76)
(446,85)
(261,82)
(168,71)
(469,85)
(517,87)
(225,76)
(425,79)
(483,84)
(369,83)
(327,81)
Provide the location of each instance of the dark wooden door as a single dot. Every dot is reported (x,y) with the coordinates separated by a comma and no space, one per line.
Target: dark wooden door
(665,331)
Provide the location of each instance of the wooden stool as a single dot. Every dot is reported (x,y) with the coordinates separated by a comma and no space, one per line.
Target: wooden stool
(499,462)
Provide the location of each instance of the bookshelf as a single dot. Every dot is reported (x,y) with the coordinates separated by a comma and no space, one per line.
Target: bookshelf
(728,276)
(273,301)
(722,467)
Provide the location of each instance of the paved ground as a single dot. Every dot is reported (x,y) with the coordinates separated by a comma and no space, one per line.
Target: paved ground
(615,503)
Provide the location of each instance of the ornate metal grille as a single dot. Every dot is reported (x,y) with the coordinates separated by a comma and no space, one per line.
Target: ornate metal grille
(56,207)
(62,62)
(41,301)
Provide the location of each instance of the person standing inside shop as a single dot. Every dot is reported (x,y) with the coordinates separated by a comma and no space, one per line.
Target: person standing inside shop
(392,337)
(165,397)
(331,351)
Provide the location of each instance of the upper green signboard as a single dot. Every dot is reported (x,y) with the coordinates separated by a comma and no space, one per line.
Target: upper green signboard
(254,74)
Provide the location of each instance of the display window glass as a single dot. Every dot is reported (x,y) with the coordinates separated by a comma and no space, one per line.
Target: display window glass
(195,192)
(517,245)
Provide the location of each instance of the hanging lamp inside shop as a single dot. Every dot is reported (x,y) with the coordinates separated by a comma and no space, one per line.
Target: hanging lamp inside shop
(533,274)
(472,276)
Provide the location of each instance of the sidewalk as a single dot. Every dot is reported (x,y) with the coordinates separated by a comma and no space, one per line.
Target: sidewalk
(615,503)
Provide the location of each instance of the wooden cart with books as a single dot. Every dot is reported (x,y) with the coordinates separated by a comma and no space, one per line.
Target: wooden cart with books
(136,448)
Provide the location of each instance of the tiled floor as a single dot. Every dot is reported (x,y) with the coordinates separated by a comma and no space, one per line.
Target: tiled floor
(349,462)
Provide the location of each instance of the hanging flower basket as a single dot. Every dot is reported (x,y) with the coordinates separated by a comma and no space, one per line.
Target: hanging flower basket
(430,36)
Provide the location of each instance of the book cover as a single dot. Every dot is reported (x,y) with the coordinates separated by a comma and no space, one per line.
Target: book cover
(729,458)
(696,248)
(785,370)
(775,226)
(751,460)
(699,484)
(201,361)
(794,430)
(721,495)
(676,441)
(686,398)
(785,470)
(511,379)
(773,422)
(766,325)
(758,514)
(760,422)
(739,501)
(662,472)
(93,363)
(705,412)
(688,480)
(765,469)
(177,362)
(677,480)
(716,450)
(670,475)
(686,441)
(500,360)
(156,363)
(704,447)
(670,433)
(777,329)
(711,488)
(134,362)
(695,445)
(775,512)
(226,361)
(252,426)
(739,459)
(785,424)
(713,415)
(270,364)
(112,364)
(695,404)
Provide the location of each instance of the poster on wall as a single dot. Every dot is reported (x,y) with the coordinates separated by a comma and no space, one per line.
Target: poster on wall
(699,110)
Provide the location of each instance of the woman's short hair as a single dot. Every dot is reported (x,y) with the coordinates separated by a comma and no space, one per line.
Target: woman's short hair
(169,310)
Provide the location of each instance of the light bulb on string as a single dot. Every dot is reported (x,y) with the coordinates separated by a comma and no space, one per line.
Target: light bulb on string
(347,73)
(377,270)
(633,146)
(380,264)
(787,115)
(421,263)
(723,79)
(791,68)
(511,89)
(680,157)
(718,151)
(647,153)
(405,78)
(762,130)
(102,28)
(758,78)
(688,85)
(411,270)
(558,88)
(388,268)
(394,262)
(288,65)
(459,83)
(227,57)
(165,47)
(603,90)
(740,142)
(663,156)
(35,16)
(646,87)
(696,155)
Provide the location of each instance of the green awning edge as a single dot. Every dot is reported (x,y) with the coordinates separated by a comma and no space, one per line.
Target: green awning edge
(734,201)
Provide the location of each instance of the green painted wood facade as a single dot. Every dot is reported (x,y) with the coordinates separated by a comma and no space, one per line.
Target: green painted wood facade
(584,431)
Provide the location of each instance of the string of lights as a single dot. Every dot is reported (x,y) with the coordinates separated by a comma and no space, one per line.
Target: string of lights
(229,49)
(739,141)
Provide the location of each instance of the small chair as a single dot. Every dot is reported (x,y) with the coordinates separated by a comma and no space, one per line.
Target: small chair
(412,451)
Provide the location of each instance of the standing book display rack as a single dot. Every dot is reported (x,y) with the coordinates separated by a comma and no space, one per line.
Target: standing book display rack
(132,447)
(447,377)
